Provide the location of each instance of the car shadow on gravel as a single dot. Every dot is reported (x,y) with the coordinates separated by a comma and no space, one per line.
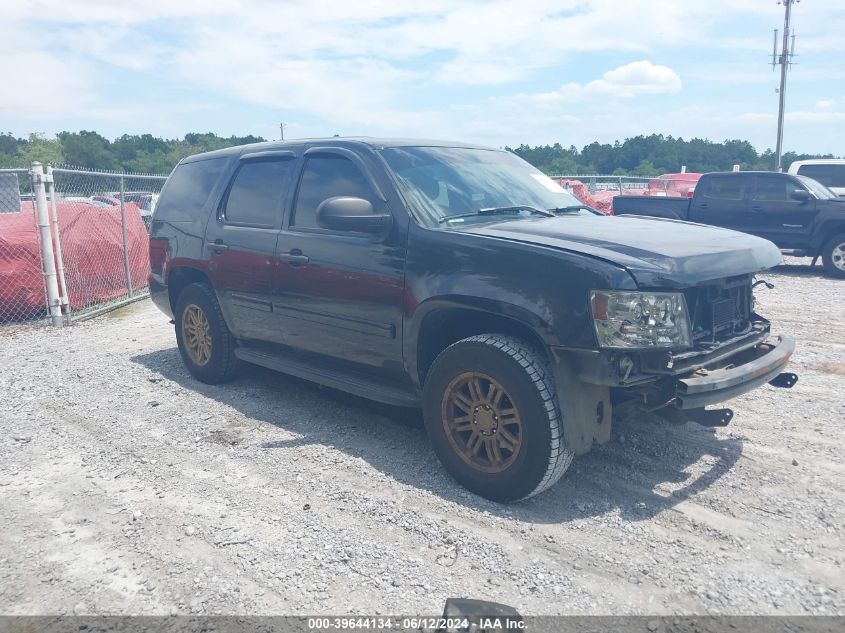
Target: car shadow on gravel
(798,270)
(648,466)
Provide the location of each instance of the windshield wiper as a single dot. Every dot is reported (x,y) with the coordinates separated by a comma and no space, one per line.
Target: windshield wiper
(573,207)
(498,211)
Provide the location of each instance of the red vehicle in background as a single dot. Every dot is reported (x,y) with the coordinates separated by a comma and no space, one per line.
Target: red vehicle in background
(673,185)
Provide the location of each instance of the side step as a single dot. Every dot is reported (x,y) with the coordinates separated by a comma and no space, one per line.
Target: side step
(357,385)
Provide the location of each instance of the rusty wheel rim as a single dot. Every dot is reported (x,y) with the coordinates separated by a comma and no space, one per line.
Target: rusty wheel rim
(482,422)
(196,333)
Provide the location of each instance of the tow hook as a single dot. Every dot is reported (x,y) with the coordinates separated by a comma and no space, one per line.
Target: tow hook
(786,380)
(763,282)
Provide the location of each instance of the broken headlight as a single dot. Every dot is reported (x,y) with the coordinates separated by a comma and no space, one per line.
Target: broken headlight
(640,319)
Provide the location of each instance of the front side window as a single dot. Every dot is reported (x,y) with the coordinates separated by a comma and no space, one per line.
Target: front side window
(327,176)
(773,189)
(255,197)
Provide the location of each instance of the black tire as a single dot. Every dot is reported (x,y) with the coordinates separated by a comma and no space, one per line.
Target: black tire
(524,375)
(833,256)
(222,364)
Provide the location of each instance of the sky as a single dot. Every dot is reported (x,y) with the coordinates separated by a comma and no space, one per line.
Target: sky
(500,72)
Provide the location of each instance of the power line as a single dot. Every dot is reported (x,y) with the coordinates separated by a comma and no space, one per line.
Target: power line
(784,58)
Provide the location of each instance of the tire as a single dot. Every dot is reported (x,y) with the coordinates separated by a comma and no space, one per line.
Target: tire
(473,433)
(833,256)
(219,363)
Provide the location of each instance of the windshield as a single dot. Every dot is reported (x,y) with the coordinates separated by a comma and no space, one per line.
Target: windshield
(441,182)
(816,188)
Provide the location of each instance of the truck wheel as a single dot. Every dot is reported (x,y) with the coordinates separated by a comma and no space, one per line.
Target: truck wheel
(491,411)
(205,343)
(833,256)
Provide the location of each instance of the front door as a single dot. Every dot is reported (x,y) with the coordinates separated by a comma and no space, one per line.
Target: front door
(339,292)
(776,216)
(242,239)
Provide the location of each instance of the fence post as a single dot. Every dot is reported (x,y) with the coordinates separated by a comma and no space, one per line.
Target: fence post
(48,262)
(57,238)
(620,185)
(125,242)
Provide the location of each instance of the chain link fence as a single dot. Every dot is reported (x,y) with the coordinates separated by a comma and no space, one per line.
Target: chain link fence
(22,293)
(86,251)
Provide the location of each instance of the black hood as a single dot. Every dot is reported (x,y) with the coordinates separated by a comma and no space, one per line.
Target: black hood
(655,251)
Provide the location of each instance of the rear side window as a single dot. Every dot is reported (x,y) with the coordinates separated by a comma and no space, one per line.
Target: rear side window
(727,188)
(830,175)
(188,188)
(255,197)
(325,177)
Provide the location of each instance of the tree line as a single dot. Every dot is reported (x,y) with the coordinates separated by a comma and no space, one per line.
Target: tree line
(641,155)
(653,155)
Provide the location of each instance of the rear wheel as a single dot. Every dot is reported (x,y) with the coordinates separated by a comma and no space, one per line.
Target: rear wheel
(492,414)
(205,343)
(833,256)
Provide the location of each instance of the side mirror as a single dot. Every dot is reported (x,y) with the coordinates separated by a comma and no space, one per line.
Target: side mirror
(801,195)
(346,213)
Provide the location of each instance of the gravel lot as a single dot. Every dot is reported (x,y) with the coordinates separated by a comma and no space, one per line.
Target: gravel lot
(127,487)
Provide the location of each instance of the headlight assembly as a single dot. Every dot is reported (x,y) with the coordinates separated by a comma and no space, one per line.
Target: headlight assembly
(640,319)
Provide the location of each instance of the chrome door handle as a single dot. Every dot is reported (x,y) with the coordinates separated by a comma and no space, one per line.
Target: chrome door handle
(217,246)
(295,258)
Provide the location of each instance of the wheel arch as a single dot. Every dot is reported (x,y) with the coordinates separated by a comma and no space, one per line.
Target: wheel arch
(180,277)
(441,322)
(827,232)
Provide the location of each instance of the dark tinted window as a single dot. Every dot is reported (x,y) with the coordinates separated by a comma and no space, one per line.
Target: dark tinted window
(831,175)
(187,190)
(255,196)
(726,188)
(326,177)
(772,188)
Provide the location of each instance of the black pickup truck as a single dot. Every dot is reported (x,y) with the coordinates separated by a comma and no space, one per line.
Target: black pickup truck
(461,280)
(801,216)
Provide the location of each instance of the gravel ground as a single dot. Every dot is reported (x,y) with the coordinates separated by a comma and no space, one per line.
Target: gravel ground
(127,487)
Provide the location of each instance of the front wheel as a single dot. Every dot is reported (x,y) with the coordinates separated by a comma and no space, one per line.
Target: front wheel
(833,256)
(491,411)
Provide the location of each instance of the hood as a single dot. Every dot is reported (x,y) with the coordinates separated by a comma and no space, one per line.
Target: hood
(655,251)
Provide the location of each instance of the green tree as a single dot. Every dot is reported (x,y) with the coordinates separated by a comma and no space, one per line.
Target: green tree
(88,149)
(39,148)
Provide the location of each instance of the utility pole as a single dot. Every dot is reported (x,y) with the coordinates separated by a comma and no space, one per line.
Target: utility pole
(784,58)
(282,129)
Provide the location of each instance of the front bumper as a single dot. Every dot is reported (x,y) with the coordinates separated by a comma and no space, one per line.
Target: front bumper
(742,372)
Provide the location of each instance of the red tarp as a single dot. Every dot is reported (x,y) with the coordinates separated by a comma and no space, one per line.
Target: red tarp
(92,246)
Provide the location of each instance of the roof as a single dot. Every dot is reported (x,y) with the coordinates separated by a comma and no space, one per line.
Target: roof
(373,143)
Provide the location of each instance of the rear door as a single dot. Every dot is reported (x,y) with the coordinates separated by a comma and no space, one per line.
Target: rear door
(722,200)
(241,240)
(776,216)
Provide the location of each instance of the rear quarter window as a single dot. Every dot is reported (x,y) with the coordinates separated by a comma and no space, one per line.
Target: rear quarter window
(188,189)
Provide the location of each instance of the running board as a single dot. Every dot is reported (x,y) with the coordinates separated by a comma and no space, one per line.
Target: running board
(329,377)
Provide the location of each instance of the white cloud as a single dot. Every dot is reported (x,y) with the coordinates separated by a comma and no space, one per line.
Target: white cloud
(624,82)
(825,104)
(367,66)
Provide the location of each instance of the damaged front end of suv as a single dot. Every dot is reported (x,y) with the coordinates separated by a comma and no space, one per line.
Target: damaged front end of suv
(675,353)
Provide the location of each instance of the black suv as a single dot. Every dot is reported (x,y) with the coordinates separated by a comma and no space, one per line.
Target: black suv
(462,280)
